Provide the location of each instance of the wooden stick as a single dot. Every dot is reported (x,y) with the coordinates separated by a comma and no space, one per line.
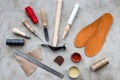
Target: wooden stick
(70,21)
(57,22)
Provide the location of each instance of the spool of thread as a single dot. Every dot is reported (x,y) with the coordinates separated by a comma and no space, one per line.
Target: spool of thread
(99,64)
(31,14)
(15,42)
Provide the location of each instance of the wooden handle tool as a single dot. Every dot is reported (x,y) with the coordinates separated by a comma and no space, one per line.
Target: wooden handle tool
(31,29)
(28,26)
(18,32)
(44,22)
(70,21)
(57,22)
(43,16)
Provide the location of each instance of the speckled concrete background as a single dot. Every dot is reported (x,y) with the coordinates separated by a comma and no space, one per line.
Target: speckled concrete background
(11,15)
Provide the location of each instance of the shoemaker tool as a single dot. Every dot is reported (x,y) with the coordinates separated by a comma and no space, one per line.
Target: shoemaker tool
(54,48)
(31,29)
(70,21)
(44,22)
(19,32)
(57,22)
(39,64)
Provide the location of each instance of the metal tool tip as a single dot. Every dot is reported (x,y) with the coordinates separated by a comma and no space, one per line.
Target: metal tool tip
(28,37)
(23,20)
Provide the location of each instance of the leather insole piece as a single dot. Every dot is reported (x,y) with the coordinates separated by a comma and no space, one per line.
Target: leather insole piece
(27,66)
(59,60)
(93,36)
(95,43)
(83,36)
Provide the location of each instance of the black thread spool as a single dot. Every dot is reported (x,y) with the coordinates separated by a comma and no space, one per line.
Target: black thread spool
(15,42)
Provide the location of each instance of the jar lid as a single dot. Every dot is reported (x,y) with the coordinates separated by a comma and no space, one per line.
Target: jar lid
(73,72)
(76,57)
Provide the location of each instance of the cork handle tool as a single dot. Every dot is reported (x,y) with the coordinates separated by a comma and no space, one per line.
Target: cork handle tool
(70,21)
(57,22)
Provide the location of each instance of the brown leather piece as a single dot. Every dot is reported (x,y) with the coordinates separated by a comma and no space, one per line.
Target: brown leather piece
(59,60)
(27,66)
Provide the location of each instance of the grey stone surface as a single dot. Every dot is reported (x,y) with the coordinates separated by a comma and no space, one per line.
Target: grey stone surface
(11,15)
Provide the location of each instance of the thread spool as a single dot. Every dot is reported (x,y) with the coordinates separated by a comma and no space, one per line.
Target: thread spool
(31,14)
(15,42)
(99,64)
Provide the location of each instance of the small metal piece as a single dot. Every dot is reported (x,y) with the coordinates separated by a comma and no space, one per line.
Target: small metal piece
(46,34)
(18,32)
(39,64)
(37,36)
(15,42)
(27,36)
(55,48)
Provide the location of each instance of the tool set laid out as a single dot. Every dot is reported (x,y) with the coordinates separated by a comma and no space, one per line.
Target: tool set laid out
(89,37)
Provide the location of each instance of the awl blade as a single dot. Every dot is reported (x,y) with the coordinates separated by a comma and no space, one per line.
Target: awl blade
(46,34)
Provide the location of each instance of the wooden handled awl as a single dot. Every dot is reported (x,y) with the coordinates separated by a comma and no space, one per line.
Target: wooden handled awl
(18,32)
(44,22)
(30,29)
(57,22)
(70,21)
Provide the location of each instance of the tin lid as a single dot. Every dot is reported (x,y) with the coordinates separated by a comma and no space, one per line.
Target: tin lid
(76,57)
(73,72)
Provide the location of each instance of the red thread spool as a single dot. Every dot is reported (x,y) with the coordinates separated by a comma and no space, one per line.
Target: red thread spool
(31,14)
(76,57)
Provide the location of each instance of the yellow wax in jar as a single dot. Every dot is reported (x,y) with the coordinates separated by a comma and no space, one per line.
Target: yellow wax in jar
(74,72)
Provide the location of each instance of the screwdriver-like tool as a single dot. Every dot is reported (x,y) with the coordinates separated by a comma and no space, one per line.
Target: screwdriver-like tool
(44,22)
(31,29)
(19,32)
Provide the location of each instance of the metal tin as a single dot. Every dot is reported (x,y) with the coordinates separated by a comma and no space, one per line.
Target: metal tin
(74,72)
(31,14)
(15,42)
(76,57)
